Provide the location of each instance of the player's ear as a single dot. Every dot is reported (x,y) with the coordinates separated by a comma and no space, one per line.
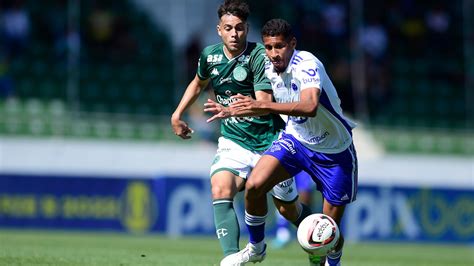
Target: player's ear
(293,43)
(218,28)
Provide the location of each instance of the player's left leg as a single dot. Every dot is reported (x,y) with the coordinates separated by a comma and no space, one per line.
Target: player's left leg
(337,175)
(333,258)
(293,212)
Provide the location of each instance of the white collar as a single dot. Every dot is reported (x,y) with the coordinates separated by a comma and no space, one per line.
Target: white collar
(230,59)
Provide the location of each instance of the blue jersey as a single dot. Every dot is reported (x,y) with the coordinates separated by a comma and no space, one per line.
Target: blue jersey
(330,130)
(321,145)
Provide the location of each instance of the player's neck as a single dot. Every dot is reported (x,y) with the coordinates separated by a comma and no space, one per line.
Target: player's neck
(233,54)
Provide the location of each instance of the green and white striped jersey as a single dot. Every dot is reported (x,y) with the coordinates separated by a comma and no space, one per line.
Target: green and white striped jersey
(243,74)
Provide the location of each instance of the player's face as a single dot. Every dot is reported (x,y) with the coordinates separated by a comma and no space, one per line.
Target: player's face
(279,51)
(233,32)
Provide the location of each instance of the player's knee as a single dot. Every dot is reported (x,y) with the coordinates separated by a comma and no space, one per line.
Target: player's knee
(221,192)
(254,189)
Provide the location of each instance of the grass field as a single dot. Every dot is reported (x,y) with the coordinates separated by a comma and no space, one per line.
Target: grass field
(26,247)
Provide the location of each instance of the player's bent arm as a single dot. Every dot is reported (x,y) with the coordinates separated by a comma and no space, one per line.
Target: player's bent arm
(195,87)
(260,97)
(220,112)
(306,106)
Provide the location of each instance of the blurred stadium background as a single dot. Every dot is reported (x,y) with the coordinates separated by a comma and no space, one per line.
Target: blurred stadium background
(87,88)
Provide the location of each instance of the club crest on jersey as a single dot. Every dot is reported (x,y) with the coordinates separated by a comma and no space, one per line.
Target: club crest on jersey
(239,73)
(294,87)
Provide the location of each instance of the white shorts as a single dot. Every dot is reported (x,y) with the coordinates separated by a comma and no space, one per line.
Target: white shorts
(240,161)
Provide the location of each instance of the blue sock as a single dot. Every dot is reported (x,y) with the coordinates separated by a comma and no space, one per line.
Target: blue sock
(334,258)
(256,227)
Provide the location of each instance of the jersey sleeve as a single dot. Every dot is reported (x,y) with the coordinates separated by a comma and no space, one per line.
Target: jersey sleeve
(202,69)
(257,66)
(308,75)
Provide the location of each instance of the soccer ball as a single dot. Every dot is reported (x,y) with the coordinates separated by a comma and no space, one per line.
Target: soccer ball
(318,234)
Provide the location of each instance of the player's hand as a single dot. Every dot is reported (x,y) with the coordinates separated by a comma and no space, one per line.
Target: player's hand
(242,102)
(181,128)
(218,111)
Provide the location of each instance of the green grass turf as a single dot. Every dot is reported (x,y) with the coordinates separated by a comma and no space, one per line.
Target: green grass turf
(28,247)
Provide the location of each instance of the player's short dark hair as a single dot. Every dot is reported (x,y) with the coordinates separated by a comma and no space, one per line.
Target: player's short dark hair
(238,8)
(276,27)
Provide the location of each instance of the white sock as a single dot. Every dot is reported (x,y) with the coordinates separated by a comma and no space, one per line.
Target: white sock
(258,247)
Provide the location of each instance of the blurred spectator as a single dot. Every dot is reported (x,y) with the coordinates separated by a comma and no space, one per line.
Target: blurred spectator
(101,26)
(15,28)
(68,46)
(373,39)
(334,27)
(6,83)
(413,29)
(124,44)
(339,70)
(437,22)
(334,18)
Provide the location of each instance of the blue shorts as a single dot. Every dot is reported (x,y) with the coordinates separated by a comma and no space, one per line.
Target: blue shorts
(304,183)
(335,175)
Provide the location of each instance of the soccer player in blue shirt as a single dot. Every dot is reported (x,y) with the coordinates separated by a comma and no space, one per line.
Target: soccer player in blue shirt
(317,137)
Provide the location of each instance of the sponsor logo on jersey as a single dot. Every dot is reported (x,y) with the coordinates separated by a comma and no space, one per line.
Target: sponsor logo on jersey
(214,58)
(215,72)
(225,80)
(310,80)
(225,101)
(244,59)
(288,145)
(310,72)
(312,76)
(319,139)
(228,93)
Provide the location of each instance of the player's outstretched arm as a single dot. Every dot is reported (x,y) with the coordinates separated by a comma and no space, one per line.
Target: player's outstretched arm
(180,127)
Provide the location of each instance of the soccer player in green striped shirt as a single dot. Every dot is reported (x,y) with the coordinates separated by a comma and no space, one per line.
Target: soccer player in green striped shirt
(236,66)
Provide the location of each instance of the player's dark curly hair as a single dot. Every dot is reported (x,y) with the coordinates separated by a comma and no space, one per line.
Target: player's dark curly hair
(238,8)
(277,27)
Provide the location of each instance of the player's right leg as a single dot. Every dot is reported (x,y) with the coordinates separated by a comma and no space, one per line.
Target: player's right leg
(262,179)
(224,187)
(228,173)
